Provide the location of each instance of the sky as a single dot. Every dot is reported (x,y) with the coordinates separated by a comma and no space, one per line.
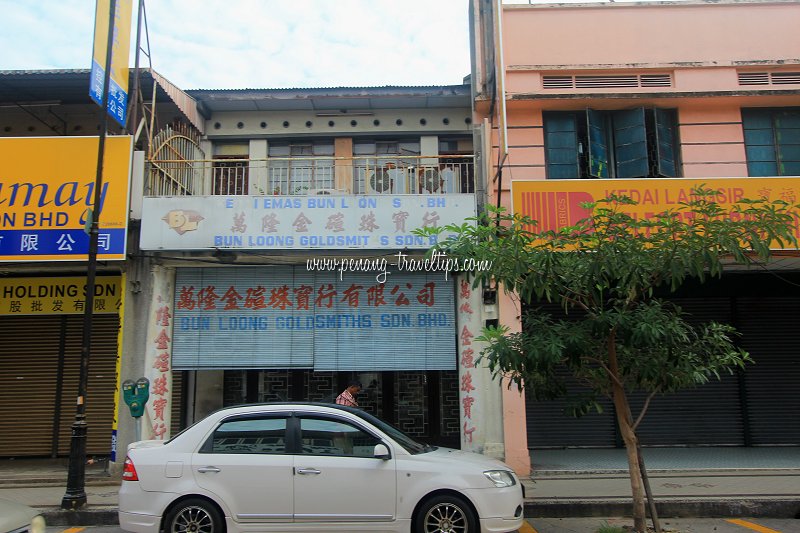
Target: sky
(237,44)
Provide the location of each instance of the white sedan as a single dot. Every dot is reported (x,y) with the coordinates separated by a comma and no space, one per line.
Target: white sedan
(311,467)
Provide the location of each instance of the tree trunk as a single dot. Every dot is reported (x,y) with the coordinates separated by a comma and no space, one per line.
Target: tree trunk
(625,422)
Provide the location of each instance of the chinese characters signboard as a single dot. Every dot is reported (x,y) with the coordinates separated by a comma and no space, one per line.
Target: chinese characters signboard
(556,203)
(298,222)
(120,51)
(58,295)
(286,317)
(158,356)
(46,190)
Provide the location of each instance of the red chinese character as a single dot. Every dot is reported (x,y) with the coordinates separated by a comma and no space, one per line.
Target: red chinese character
(325,292)
(163,315)
(231,299)
(425,295)
(186,298)
(255,298)
(158,407)
(466,383)
(207,298)
(375,296)
(466,308)
(269,224)
(162,362)
(159,429)
(765,192)
(467,358)
(466,292)
(279,297)
(368,223)
(301,223)
(468,432)
(401,300)
(238,223)
(466,336)
(467,402)
(351,295)
(160,386)
(303,296)
(162,341)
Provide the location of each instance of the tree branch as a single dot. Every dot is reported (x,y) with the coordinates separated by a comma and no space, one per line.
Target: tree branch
(644,410)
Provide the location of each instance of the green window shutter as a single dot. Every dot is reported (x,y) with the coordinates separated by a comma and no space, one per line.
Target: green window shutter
(630,143)
(787,138)
(561,145)
(759,142)
(598,143)
(665,143)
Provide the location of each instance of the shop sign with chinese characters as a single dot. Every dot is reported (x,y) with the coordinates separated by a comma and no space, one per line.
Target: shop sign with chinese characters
(47,189)
(557,203)
(298,222)
(58,295)
(157,359)
(284,317)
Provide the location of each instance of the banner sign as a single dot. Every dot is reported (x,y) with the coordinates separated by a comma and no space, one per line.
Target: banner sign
(120,52)
(298,222)
(46,190)
(556,203)
(288,317)
(58,295)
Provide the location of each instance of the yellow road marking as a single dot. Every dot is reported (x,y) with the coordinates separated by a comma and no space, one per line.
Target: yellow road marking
(751,525)
(526,528)
(74,530)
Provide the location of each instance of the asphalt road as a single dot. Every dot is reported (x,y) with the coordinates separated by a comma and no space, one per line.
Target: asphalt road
(591,525)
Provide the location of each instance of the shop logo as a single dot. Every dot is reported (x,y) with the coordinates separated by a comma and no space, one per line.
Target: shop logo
(555,210)
(182,221)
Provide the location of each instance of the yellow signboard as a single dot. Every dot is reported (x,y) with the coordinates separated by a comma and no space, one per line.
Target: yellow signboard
(557,203)
(46,189)
(120,51)
(58,295)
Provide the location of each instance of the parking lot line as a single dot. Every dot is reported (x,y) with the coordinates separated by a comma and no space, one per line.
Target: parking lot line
(527,528)
(751,525)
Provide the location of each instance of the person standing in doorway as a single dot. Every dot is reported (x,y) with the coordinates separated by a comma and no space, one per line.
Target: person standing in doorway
(348,396)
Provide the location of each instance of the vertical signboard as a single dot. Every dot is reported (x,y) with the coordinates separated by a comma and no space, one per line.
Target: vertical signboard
(120,50)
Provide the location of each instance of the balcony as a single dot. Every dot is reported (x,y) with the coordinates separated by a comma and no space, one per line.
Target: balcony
(291,176)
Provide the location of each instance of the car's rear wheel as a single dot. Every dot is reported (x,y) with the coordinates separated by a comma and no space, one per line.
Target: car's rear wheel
(193,516)
(445,514)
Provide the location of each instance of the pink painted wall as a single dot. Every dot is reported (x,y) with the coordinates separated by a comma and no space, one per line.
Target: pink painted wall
(711,33)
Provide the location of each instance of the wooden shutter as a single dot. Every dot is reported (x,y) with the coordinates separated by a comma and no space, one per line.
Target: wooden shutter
(561,145)
(630,143)
(787,137)
(759,143)
(596,128)
(665,140)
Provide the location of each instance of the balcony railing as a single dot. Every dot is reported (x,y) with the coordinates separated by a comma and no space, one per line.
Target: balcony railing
(311,175)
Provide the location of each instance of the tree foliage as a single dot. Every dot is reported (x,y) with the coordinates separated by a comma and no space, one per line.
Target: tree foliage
(608,273)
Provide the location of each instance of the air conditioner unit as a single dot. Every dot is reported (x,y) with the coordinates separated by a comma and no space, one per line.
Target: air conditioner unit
(430,180)
(379,181)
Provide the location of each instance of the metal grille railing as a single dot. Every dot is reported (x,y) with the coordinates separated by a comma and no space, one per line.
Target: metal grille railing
(312,175)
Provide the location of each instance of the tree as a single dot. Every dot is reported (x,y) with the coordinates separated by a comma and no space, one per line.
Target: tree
(609,269)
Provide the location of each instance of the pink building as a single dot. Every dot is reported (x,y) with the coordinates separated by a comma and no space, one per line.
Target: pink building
(701,92)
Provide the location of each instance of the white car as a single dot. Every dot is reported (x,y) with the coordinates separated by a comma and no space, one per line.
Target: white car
(311,467)
(18,518)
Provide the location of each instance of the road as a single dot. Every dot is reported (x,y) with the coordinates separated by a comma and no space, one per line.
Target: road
(591,525)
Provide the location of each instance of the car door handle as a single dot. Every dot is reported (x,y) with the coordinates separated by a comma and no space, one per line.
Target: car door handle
(308,471)
(207,469)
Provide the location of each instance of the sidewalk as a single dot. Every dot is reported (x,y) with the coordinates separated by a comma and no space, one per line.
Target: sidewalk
(554,493)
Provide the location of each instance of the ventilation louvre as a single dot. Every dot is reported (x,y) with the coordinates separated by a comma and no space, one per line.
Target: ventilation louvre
(607,82)
(767,78)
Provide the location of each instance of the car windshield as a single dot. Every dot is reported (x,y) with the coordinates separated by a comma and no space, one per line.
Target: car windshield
(409,444)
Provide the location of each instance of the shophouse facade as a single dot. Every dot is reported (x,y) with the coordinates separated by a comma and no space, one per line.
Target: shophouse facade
(284,260)
(49,138)
(651,99)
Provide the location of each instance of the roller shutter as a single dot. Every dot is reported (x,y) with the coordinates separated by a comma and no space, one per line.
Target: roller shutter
(39,371)
(770,333)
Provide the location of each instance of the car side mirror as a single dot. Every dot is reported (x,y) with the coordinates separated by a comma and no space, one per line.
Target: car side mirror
(382,452)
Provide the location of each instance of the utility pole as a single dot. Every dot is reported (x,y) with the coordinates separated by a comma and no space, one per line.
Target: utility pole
(75,496)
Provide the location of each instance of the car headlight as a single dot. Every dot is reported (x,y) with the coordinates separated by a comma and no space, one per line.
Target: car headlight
(500,478)
(37,524)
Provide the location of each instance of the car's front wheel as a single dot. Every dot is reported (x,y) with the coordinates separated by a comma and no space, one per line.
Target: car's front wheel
(193,516)
(445,514)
